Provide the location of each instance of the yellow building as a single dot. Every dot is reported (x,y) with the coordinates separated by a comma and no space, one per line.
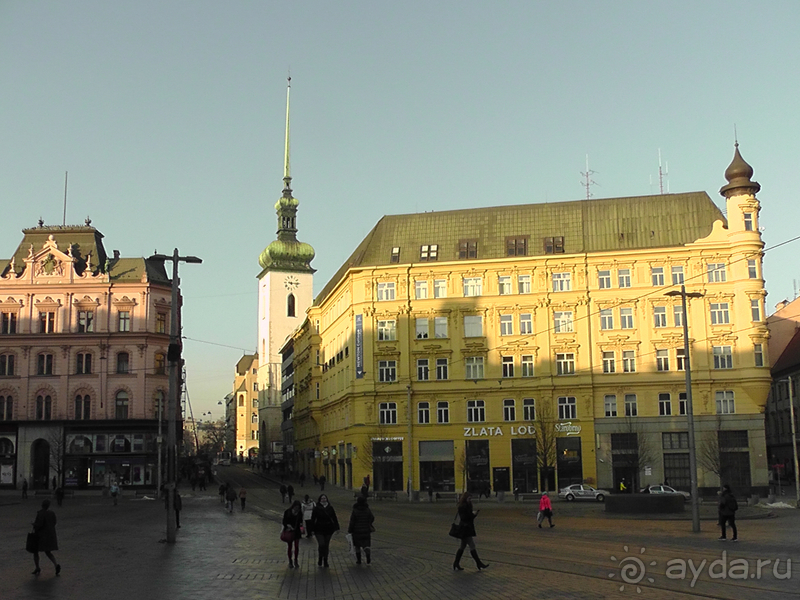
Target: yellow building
(533,346)
(241,409)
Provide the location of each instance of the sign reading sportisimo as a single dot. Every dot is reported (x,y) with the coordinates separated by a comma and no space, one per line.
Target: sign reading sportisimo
(498,431)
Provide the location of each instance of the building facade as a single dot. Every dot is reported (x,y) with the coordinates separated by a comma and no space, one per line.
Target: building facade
(532,346)
(241,410)
(83,357)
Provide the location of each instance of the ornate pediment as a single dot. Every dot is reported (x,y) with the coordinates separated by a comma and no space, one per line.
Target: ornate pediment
(49,261)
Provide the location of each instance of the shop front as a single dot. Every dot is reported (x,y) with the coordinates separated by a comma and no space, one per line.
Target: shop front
(437,465)
(387,465)
(8,456)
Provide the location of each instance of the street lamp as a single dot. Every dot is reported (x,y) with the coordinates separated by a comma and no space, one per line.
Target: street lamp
(695,500)
(173,356)
(794,441)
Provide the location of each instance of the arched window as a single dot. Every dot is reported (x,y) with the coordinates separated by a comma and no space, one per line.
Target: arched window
(290,310)
(6,408)
(161,363)
(44,407)
(6,447)
(83,407)
(123,362)
(255,418)
(121,402)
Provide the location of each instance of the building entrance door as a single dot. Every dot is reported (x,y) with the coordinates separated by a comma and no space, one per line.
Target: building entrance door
(40,458)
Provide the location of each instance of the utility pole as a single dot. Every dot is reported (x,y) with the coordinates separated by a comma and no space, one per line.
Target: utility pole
(410,444)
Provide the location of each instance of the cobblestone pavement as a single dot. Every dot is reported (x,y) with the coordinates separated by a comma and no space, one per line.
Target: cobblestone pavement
(114,552)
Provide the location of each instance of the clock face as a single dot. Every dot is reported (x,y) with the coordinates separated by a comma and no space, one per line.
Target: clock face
(291,282)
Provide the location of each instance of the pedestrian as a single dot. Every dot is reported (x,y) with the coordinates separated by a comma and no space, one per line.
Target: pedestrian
(367,481)
(316,480)
(292,531)
(365,491)
(230,496)
(46,539)
(545,510)
(54,482)
(59,495)
(243,497)
(308,508)
(290,492)
(302,479)
(322,483)
(727,512)
(430,493)
(325,524)
(25,489)
(622,486)
(114,490)
(361,528)
(283,491)
(466,520)
(223,488)
(177,505)
(201,479)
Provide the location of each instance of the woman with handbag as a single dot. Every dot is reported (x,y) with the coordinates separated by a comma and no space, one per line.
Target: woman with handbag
(361,528)
(545,511)
(324,524)
(46,539)
(291,534)
(465,528)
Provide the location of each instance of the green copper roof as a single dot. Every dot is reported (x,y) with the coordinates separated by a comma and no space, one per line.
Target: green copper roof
(287,255)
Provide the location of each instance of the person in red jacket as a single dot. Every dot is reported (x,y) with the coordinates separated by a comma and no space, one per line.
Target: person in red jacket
(545,510)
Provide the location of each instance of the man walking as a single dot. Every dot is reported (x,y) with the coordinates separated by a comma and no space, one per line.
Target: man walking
(24,489)
(727,512)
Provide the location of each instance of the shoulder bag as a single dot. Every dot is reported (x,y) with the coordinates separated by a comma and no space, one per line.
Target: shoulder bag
(455,527)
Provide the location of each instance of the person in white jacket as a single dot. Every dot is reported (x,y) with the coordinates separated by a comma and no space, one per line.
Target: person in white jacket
(308,507)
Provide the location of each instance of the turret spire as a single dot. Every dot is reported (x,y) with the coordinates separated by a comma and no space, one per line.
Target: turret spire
(287,176)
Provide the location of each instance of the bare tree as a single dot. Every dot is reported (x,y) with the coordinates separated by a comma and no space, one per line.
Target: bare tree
(211,437)
(58,452)
(708,453)
(461,467)
(546,443)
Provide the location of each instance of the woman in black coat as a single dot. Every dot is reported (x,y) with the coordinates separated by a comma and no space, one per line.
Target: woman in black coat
(360,528)
(45,528)
(466,517)
(292,522)
(324,524)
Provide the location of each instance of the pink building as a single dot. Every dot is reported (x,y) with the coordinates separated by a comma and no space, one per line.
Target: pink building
(83,369)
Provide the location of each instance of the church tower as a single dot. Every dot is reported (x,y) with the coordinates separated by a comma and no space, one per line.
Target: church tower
(285,292)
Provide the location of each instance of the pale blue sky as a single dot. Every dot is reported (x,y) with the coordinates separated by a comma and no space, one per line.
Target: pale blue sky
(169,118)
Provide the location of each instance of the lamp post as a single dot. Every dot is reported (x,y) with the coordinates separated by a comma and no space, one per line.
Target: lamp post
(794,441)
(695,500)
(174,357)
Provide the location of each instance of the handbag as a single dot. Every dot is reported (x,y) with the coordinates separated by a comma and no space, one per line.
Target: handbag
(287,535)
(32,543)
(540,517)
(455,527)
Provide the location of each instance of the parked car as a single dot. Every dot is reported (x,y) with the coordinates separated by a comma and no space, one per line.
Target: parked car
(581,491)
(665,489)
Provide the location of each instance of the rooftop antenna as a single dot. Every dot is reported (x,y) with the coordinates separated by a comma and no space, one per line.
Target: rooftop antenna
(587,179)
(662,174)
(64,218)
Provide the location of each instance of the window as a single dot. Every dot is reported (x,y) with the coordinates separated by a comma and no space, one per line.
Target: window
(677,315)
(423,370)
(506,325)
(290,306)
(752,269)
(631,408)
(473,286)
(6,365)
(723,358)
(517,246)
(682,403)
(422,328)
(509,410)
(387,331)
(504,284)
(473,326)
(525,323)
(662,360)
(474,367)
(83,407)
(8,324)
(468,249)
(725,403)
(554,245)
(44,407)
(604,279)
(657,275)
(664,405)
(529,409)
(255,386)
(387,412)
(527,365)
(629,361)
(395,255)
(423,413)
(609,362)
(610,404)
(47,322)
(660,316)
(567,407)
(508,366)
(121,404)
(606,318)
(716,272)
(385,291)
(476,411)
(719,313)
(624,278)
(44,364)
(680,359)
(626,318)
(440,288)
(748,221)
(677,275)
(562,321)
(442,412)
(755,310)
(161,322)
(124,322)
(241,399)
(441,369)
(160,363)
(675,440)
(758,353)
(565,363)
(440,327)
(524,284)
(85,321)
(429,253)
(562,282)
(387,370)
(421,290)
(84,366)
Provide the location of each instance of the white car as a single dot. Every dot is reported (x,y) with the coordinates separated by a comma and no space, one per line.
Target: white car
(665,489)
(581,491)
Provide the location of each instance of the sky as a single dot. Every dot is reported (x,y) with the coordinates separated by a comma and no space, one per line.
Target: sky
(169,117)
